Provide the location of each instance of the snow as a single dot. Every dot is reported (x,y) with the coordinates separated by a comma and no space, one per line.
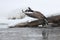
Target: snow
(5,23)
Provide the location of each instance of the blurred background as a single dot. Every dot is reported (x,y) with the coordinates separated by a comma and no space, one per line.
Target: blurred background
(13,7)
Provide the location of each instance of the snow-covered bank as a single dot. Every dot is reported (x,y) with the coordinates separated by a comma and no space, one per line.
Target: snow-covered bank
(5,23)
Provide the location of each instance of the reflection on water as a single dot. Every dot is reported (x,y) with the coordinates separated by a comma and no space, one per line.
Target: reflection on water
(29,33)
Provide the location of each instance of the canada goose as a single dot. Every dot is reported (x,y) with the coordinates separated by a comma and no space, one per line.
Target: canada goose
(36,14)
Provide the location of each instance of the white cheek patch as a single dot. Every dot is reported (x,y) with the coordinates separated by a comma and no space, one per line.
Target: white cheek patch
(28,12)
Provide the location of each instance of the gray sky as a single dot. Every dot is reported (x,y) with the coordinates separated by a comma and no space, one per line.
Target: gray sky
(47,7)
